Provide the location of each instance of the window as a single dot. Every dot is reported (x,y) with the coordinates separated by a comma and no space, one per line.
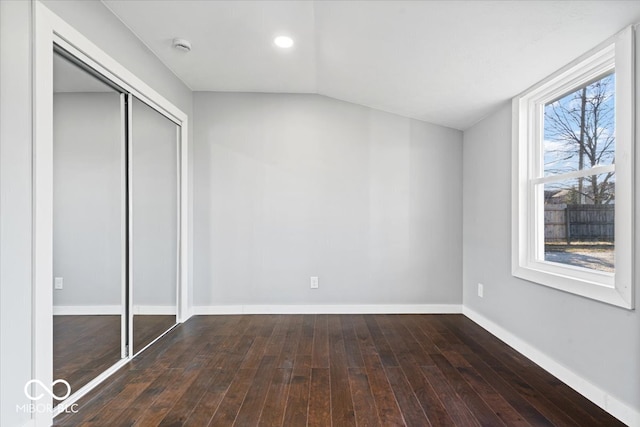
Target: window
(573,177)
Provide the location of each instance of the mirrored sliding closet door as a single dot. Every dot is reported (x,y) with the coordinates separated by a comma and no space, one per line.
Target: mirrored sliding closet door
(89,218)
(116,222)
(154,219)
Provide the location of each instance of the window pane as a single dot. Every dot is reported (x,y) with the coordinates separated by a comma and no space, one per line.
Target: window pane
(579,128)
(579,222)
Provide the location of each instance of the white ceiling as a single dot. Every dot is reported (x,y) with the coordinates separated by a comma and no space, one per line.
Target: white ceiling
(445,62)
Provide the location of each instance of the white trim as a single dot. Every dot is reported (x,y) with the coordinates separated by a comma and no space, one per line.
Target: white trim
(129,222)
(42,205)
(87,310)
(330,309)
(130,244)
(123,226)
(184,238)
(168,310)
(595,394)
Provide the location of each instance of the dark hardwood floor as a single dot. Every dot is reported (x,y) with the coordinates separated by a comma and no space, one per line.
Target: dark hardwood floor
(333,370)
(83,347)
(147,328)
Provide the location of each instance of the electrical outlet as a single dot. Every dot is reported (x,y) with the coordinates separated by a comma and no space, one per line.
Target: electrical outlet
(480,290)
(314,282)
(57,283)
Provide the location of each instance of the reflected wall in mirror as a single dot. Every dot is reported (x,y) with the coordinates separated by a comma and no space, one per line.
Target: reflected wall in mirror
(154,200)
(88,226)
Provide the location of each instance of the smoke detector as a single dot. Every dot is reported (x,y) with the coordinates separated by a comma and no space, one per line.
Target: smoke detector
(182,45)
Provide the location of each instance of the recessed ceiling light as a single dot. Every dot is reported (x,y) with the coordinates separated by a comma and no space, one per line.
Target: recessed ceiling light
(283,42)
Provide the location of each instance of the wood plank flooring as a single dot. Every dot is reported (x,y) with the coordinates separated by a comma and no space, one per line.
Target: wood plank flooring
(147,328)
(86,346)
(83,347)
(333,370)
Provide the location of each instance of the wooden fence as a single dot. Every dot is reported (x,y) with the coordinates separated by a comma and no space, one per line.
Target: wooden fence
(567,223)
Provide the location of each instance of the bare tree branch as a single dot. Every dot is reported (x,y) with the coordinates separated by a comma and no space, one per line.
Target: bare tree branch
(582,126)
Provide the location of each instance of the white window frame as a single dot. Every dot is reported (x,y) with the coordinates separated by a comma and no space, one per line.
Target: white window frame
(527,195)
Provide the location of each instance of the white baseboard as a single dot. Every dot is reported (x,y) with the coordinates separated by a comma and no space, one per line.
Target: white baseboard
(330,309)
(86,310)
(613,406)
(155,309)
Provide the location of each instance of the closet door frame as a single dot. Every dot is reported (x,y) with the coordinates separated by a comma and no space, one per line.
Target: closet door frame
(130,99)
(50,30)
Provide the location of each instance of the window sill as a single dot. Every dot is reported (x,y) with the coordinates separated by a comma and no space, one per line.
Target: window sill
(601,287)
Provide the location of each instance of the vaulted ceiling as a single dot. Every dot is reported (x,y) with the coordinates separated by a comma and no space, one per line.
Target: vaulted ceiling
(445,62)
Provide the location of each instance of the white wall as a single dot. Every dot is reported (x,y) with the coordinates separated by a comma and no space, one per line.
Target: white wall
(598,342)
(87,172)
(293,186)
(15,209)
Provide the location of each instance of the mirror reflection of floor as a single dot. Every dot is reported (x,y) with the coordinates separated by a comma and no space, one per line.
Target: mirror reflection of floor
(84,347)
(146,328)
